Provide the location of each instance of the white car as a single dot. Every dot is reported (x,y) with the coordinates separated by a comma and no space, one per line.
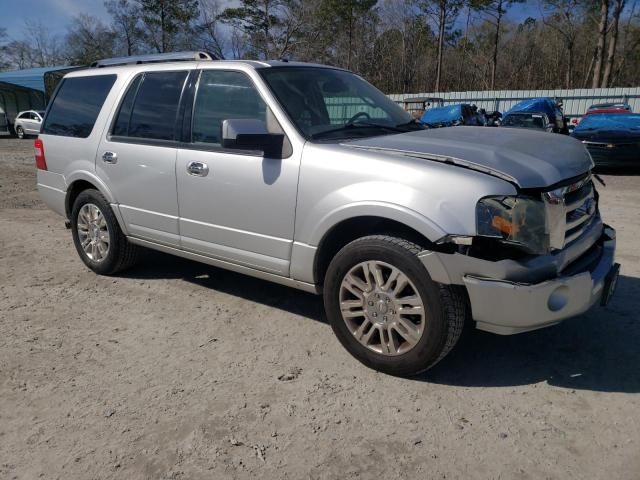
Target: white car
(28,123)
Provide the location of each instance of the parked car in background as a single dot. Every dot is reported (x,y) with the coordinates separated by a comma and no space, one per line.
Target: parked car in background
(252,166)
(538,121)
(613,139)
(452,115)
(609,108)
(28,123)
(544,107)
(597,108)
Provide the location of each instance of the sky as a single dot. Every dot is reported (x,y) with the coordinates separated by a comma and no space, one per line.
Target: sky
(57,14)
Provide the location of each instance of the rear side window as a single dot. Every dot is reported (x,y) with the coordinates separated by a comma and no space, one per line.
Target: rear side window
(150,106)
(77,105)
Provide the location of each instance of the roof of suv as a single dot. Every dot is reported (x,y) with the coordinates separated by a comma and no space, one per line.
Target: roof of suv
(187,60)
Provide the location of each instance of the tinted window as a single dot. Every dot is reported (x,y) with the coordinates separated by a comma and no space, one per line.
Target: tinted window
(121,126)
(23,115)
(222,96)
(77,105)
(156,105)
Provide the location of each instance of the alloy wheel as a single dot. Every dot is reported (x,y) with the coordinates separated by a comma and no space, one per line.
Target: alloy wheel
(93,232)
(382,308)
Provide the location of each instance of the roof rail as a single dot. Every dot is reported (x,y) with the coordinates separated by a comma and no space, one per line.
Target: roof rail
(154,58)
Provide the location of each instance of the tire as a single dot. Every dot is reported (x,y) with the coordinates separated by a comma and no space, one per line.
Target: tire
(404,351)
(86,224)
(20,132)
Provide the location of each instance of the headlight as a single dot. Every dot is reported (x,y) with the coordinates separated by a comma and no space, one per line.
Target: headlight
(516,220)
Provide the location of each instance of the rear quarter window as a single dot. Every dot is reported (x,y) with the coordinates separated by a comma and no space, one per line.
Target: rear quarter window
(76,105)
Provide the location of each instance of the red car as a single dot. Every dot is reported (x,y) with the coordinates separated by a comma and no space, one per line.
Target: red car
(603,108)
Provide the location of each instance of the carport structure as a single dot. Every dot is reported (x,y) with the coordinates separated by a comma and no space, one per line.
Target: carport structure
(26,90)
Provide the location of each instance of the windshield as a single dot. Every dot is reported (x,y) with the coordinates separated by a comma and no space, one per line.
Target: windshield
(524,121)
(328,103)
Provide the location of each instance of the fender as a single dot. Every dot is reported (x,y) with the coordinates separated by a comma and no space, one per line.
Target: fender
(431,230)
(93,179)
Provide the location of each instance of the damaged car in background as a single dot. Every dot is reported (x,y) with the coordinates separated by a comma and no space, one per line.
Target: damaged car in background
(613,139)
(537,113)
(406,231)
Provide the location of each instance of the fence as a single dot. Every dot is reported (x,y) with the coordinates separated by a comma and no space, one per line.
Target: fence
(575,102)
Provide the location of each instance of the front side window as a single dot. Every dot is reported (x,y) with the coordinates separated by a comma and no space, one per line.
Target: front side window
(223,95)
(150,106)
(331,103)
(76,105)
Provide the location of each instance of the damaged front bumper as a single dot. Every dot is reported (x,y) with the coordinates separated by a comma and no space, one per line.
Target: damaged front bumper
(510,296)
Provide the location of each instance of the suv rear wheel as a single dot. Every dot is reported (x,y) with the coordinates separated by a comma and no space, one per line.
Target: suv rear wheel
(97,235)
(385,309)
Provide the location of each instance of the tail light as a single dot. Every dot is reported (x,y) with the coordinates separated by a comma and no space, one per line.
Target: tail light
(38,146)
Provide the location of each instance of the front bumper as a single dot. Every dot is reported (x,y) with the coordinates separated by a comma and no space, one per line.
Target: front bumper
(508,302)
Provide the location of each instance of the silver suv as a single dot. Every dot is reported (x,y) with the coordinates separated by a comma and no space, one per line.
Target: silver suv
(308,176)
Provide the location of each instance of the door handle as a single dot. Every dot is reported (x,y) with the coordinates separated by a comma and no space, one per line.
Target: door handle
(197,169)
(109,157)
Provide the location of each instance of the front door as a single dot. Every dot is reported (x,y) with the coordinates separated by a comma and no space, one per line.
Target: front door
(137,159)
(235,206)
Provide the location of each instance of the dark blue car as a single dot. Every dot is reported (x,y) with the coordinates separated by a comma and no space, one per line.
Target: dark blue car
(613,139)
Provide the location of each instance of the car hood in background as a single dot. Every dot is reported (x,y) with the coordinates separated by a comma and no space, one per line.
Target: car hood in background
(530,159)
(609,128)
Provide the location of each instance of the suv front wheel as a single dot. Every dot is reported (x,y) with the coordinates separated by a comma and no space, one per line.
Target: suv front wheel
(97,235)
(385,309)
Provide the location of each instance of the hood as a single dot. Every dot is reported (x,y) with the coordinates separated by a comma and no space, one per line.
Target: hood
(529,159)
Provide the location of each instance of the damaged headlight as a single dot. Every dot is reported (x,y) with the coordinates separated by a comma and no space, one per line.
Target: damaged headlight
(514,220)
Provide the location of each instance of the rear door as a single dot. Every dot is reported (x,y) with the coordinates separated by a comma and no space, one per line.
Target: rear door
(240,206)
(137,158)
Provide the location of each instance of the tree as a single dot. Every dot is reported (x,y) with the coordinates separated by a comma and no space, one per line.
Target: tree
(494,11)
(166,20)
(562,16)
(602,39)
(125,20)
(207,29)
(270,26)
(88,40)
(613,41)
(444,13)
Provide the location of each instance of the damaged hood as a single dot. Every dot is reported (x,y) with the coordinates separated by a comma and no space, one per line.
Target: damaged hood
(529,159)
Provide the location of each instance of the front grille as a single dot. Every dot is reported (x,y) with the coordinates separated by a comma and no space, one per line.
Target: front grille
(570,211)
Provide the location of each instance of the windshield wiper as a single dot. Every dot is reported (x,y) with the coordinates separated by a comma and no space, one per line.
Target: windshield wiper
(351,126)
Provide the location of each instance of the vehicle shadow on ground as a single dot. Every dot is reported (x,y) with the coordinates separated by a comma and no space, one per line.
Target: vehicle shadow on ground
(156,265)
(598,351)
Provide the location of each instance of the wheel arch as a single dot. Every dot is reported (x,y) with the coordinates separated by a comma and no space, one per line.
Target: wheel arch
(348,229)
(81,181)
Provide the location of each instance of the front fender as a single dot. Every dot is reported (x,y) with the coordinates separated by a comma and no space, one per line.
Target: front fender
(391,211)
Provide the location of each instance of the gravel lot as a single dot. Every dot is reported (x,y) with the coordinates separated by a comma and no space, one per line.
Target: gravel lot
(183,371)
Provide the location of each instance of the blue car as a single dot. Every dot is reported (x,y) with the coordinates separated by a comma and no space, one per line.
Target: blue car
(452,115)
(542,113)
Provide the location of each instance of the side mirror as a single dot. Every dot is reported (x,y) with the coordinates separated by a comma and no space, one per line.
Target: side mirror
(251,134)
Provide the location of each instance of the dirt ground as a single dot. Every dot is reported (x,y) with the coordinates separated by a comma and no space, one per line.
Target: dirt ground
(178,370)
